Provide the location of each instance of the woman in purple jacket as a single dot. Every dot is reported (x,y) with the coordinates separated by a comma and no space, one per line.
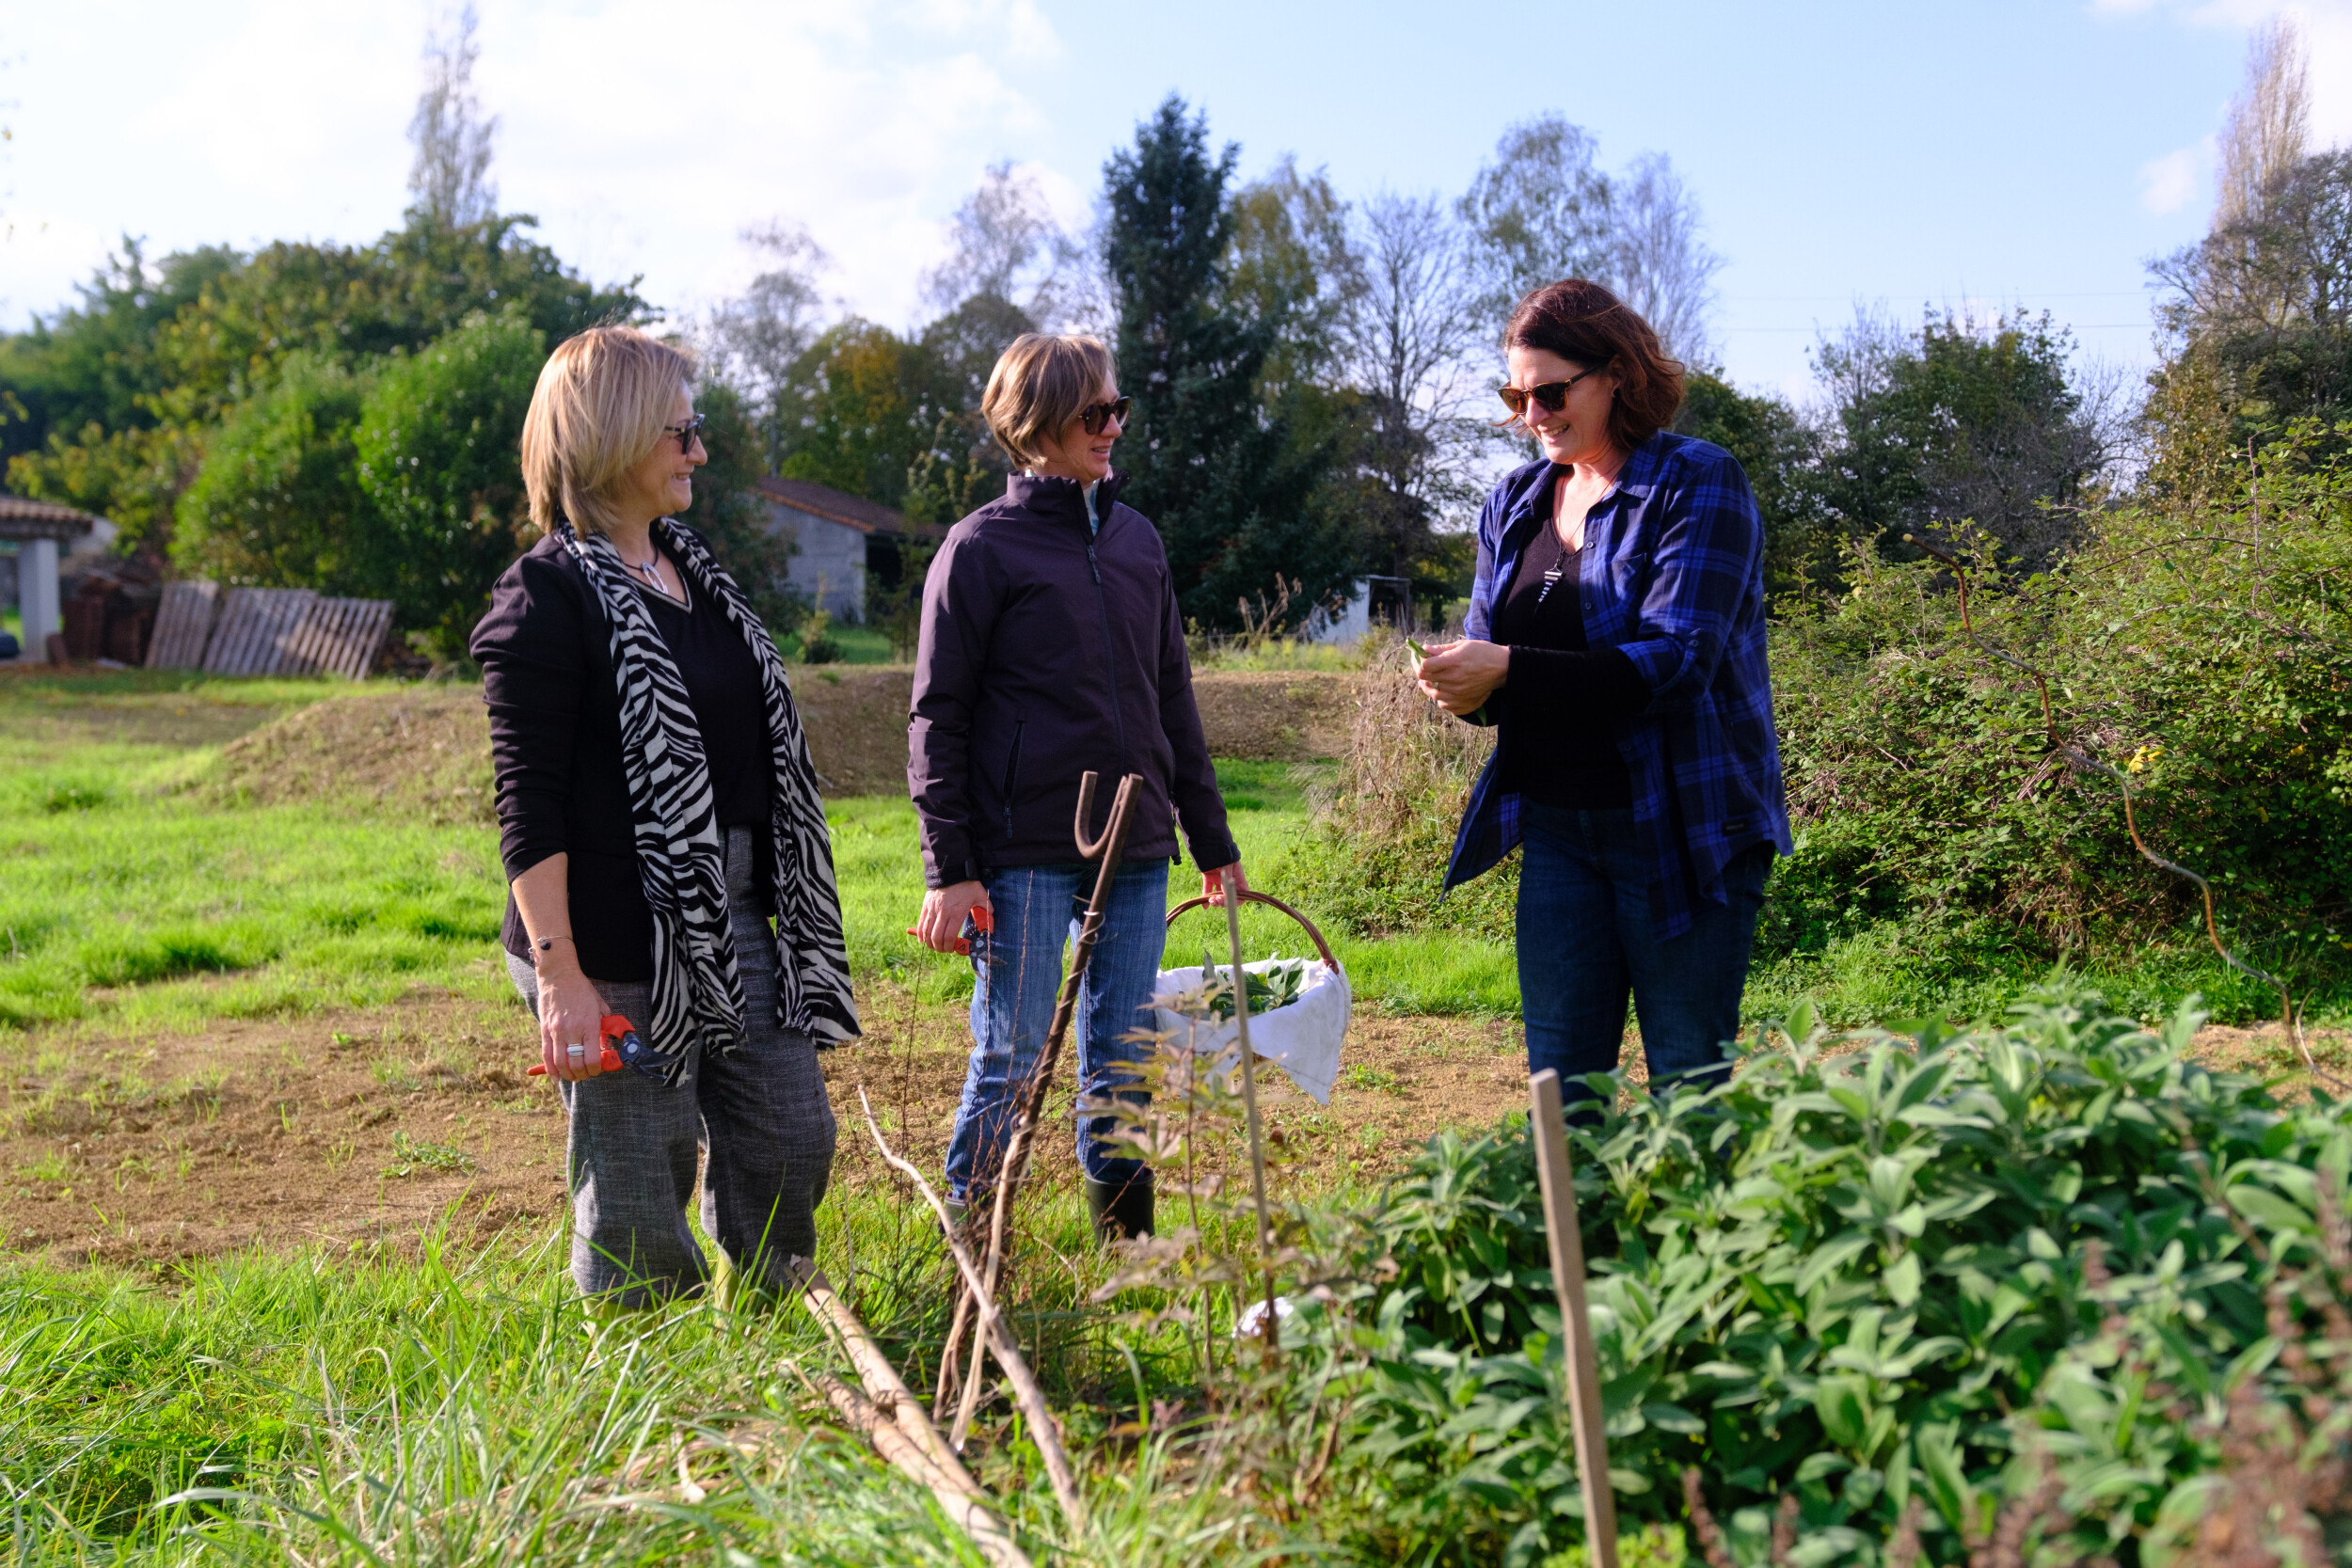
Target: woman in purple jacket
(1051,645)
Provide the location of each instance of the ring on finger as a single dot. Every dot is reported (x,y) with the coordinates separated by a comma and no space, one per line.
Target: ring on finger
(576,1048)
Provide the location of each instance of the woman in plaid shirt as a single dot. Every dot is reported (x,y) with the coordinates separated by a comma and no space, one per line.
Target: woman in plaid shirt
(1615,638)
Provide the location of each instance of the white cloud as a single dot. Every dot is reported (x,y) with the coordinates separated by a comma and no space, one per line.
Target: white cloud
(2168,183)
(645,137)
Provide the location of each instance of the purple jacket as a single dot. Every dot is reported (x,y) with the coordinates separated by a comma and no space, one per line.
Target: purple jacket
(1048,650)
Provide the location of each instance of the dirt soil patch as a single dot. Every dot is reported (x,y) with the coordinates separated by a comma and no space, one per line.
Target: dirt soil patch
(351,1127)
(388,1124)
(425,750)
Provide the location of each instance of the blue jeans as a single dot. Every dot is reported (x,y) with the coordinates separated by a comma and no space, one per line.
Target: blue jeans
(1585,942)
(1017,973)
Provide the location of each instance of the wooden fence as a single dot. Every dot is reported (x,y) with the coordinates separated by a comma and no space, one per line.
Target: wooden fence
(267,631)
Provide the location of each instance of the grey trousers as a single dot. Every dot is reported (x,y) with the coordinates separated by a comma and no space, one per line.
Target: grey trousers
(635,1144)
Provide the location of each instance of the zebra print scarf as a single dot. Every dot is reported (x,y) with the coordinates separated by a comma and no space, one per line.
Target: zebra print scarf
(681,852)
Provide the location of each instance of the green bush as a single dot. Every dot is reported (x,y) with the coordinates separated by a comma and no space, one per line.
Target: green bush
(1929,789)
(437,446)
(278,502)
(1926,1269)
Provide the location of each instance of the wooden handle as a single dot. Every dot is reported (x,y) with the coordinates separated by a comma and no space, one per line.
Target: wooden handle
(1270,901)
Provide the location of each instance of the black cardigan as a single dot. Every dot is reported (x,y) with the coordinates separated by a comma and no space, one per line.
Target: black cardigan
(555,742)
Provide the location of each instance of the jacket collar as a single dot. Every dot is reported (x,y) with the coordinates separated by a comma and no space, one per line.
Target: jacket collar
(1050,496)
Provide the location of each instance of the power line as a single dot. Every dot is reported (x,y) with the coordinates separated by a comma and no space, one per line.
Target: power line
(2073,327)
(1884,294)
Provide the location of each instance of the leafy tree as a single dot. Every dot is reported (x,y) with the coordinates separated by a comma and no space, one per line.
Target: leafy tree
(729,511)
(437,444)
(1543,210)
(1805,543)
(1965,422)
(98,362)
(153,368)
(1538,212)
(1215,467)
(278,502)
(2261,325)
(860,410)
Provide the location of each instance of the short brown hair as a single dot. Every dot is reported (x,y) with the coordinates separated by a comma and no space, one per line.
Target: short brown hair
(1585,324)
(1040,383)
(603,400)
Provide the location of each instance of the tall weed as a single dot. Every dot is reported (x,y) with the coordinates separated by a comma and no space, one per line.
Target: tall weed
(1384,819)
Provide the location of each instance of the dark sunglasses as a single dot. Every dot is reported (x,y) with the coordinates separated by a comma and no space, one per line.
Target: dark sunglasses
(1551,397)
(1103,413)
(686,434)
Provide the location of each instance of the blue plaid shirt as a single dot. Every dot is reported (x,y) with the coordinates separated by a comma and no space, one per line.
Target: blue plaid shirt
(1672,573)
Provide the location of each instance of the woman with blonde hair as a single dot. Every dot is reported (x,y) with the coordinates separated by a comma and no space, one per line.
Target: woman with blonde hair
(1051,645)
(664,843)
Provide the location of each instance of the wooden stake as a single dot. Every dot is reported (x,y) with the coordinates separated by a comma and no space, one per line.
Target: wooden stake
(1273,1324)
(1568,1277)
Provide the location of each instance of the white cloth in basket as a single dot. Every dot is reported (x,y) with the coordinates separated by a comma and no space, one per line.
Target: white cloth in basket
(1303,1040)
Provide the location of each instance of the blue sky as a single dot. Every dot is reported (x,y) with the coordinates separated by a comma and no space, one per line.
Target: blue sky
(1975,155)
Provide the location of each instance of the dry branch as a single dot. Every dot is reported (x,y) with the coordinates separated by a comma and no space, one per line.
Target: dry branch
(959,1498)
(1026,1392)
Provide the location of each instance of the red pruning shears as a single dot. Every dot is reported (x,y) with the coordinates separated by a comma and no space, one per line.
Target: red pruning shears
(614,1028)
(981,921)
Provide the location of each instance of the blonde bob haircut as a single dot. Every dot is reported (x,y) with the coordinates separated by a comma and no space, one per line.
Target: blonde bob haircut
(1040,384)
(603,400)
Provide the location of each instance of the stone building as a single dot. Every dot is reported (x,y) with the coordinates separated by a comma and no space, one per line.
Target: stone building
(842,538)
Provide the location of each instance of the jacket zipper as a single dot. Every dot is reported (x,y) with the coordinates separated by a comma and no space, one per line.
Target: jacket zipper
(1110,655)
(1012,773)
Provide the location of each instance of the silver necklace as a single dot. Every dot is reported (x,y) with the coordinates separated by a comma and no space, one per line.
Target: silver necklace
(651,568)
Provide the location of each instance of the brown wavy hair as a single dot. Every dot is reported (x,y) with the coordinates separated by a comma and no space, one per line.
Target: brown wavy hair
(1587,325)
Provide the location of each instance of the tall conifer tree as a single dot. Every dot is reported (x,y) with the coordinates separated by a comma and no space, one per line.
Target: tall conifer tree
(1213,464)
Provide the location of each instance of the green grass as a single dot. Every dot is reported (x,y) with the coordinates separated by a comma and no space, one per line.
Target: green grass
(132,904)
(462,1402)
(856,644)
(1284,652)
(876,856)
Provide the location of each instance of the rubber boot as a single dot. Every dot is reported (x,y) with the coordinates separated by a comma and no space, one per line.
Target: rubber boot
(1121,1211)
(955,1211)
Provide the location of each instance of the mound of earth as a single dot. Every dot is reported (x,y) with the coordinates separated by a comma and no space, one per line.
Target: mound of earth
(413,751)
(424,751)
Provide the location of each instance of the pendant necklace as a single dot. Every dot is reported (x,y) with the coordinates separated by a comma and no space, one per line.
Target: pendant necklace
(1559,569)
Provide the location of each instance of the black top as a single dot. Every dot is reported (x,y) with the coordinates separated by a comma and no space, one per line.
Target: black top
(1558,737)
(722,687)
(555,741)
